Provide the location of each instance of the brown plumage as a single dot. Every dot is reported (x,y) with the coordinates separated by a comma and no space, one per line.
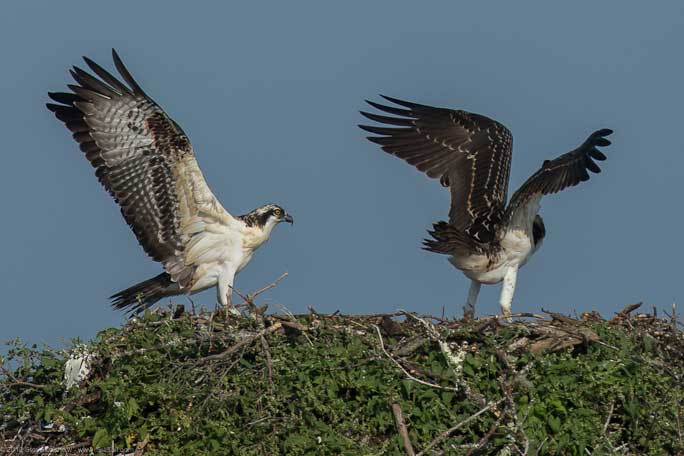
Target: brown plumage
(145,161)
(471,154)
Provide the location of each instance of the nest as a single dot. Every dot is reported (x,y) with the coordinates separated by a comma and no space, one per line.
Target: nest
(218,340)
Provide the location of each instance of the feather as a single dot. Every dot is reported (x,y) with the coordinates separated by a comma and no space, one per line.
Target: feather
(452,146)
(145,161)
(565,171)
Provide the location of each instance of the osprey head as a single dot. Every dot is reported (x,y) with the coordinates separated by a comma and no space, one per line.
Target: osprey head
(267,216)
(538,231)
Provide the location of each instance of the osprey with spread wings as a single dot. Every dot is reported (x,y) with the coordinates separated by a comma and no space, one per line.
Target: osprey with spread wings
(145,161)
(471,155)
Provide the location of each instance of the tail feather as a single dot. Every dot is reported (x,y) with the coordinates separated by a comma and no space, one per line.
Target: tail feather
(143,295)
(447,239)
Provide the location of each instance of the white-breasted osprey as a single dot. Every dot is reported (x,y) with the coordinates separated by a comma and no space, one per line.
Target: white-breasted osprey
(471,154)
(145,161)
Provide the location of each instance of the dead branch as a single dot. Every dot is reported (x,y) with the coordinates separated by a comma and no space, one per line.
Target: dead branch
(407,373)
(560,317)
(243,342)
(269,362)
(403,431)
(610,415)
(269,286)
(514,315)
(287,322)
(445,435)
(624,313)
(674,318)
(483,441)
(16,382)
(140,447)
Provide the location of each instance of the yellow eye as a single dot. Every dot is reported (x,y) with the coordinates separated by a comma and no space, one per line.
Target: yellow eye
(278,212)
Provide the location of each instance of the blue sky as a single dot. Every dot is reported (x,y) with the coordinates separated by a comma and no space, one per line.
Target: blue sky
(269,94)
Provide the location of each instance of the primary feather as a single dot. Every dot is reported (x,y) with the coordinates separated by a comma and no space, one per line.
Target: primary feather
(144,159)
(471,155)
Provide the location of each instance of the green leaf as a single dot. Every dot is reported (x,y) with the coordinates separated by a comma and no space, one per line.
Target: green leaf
(101,439)
(554,424)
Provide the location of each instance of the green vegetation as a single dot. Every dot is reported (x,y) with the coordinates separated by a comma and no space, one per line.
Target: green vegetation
(210,384)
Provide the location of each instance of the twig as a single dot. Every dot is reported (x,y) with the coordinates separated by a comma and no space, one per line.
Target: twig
(289,323)
(506,387)
(674,318)
(140,447)
(249,297)
(246,341)
(29,384)
(610,415)
(269,286)
(403,431)
(16,382)
(514,315)
(679,423)
(628,309)
(454,361)
(407,373)
(483,441)
(560,317)
(541,445)
(269,362)
(294,324)
(444,435)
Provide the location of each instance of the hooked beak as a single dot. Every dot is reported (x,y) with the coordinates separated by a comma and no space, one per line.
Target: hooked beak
(288,218)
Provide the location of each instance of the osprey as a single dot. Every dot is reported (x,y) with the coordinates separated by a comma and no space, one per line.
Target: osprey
(471,155)
(145,161)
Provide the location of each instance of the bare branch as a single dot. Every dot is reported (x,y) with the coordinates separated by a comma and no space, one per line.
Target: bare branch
(628,309)
(403,431)
(483,441)
(407,373)
(246,341)
(269,362)
(269,286)
(445,435)
(610,415)
(140,447)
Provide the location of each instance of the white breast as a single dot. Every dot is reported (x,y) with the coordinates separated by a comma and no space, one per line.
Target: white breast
(517,246)
(223,251)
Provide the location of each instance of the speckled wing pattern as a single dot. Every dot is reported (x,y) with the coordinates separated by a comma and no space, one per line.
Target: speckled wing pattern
(469,153)
(565,171)
(145,161)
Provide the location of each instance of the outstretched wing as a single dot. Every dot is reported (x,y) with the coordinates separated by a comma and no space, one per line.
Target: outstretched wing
(144,160)
(565,171)
(469,153)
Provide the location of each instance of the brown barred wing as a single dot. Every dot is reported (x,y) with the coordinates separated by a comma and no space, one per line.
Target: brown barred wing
(142,158)
(469,153)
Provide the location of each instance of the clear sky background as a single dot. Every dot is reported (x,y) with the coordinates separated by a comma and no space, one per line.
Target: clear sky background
(269,94)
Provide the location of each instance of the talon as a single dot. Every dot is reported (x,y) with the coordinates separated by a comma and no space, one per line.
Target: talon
(230,308)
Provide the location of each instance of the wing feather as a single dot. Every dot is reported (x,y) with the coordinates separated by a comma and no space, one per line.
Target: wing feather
(145,161)
(469,153)
(565,171)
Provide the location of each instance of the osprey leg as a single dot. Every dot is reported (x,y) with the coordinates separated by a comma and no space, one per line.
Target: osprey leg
(508,290)
(469,308)
(225,292)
